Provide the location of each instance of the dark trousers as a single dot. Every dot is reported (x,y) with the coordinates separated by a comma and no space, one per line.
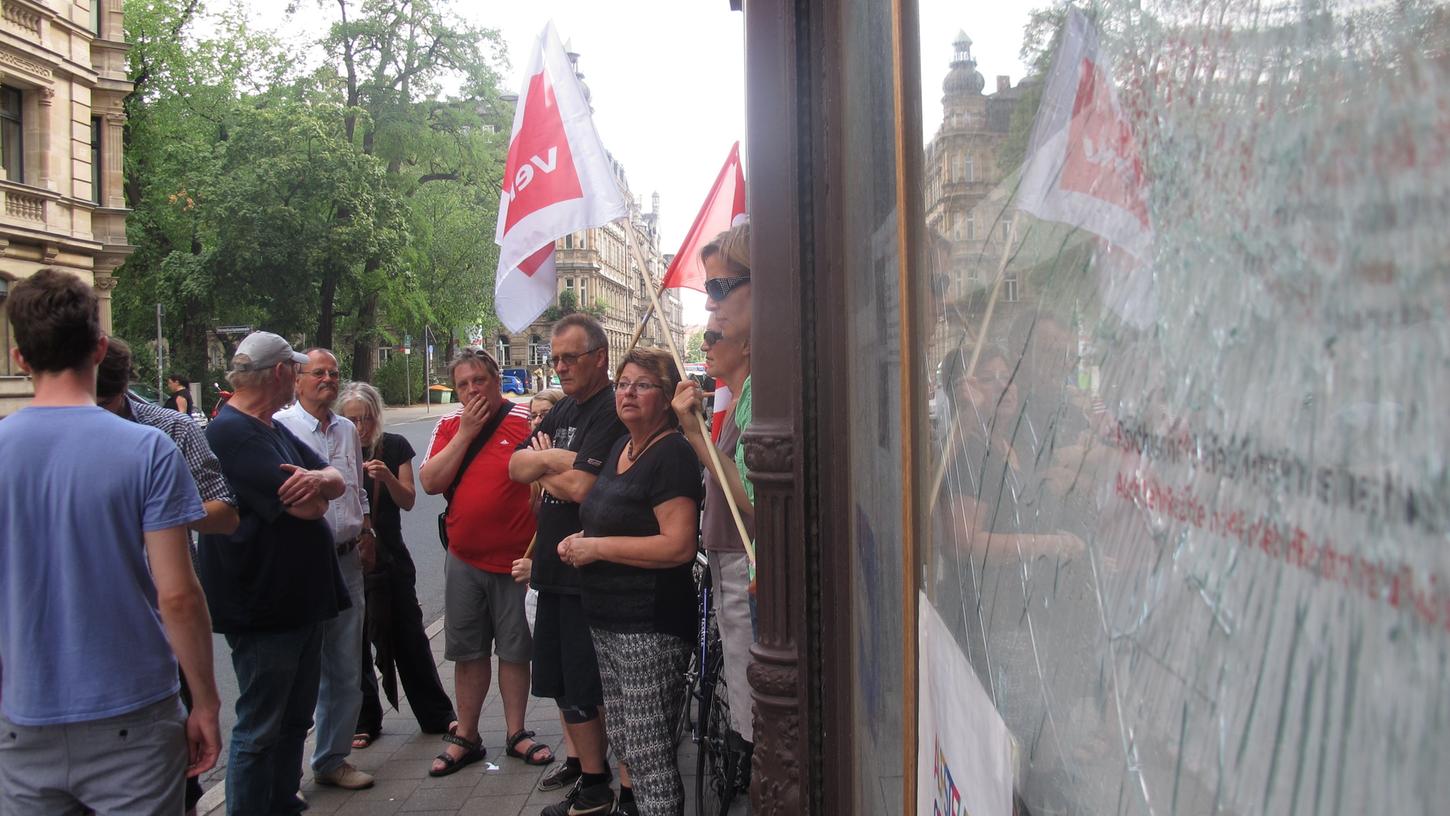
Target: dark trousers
(392,588)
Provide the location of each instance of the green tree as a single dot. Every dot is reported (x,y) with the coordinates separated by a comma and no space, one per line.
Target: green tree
(392,59)
(187,91)
(692,351)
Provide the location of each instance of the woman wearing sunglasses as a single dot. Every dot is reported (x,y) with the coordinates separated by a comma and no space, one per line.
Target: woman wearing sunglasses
(394,619)
(634,555)
(729,362)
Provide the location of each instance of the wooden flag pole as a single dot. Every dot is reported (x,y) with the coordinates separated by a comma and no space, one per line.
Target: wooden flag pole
(654,308)
(951,440)
(639,330)
(705,429)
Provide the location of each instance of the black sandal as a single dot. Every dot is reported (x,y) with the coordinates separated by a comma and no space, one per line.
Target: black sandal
(531,756)
(472,752)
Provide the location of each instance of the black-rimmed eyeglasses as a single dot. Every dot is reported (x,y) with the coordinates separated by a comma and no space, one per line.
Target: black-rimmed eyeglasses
(571,359)
(711,337)
(718,289)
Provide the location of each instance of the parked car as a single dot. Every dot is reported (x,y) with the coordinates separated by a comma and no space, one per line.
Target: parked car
(512,384)
(515,379)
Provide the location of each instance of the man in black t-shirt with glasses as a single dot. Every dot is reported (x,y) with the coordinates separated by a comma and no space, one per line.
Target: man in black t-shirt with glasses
(565,457)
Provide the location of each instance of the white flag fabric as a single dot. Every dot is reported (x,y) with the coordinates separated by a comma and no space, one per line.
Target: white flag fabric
(1083,165)
(557,180)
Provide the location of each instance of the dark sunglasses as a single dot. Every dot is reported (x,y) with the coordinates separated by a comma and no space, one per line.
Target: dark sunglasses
(720,288)
(712,337)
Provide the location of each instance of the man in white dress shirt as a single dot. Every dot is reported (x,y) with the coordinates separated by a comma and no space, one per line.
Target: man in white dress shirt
(335,439)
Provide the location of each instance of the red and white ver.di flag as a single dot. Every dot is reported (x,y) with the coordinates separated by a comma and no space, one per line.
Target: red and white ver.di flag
(557,180)
(724,204)
(1084,168)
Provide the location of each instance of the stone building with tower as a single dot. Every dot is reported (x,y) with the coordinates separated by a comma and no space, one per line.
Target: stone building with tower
(63,78)
(968,188)
(606,271)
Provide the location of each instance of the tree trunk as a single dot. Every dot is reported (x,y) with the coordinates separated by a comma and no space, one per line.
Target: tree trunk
(325,317)
(365,344)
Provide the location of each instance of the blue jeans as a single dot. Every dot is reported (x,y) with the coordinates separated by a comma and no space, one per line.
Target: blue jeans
(339,695)
(277,674)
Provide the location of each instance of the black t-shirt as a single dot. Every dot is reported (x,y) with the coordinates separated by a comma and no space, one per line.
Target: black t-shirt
(276,571)
(395,451)
(622,598)
(589,429)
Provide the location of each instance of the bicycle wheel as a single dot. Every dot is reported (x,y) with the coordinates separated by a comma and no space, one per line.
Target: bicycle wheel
(688,693)
(722,768)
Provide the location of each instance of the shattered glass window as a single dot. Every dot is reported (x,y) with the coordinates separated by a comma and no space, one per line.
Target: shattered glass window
(1188,538)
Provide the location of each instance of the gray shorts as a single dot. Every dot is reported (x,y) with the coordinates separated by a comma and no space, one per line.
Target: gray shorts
(131,763)
(483,614)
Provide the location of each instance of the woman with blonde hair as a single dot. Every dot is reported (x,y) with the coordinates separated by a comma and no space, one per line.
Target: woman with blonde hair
(394,618)
(640,528)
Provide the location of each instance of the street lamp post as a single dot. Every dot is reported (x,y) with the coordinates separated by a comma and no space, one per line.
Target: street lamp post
(407,371)
(160,391)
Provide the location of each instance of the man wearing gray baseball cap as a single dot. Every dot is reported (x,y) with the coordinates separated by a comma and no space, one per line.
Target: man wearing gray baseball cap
(272,583)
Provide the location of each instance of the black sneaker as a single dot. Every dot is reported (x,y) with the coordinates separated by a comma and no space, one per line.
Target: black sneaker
(561,775)
(595,800)
(626,809)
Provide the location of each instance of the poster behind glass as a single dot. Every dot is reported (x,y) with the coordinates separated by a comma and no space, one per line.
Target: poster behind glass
(1188,373)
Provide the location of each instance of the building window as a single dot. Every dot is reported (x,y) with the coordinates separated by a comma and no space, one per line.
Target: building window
(7,341)
(1006,230)
(969,168)
(12,147)
(503,350)
(1009,286)
(971,226)
(538,351)
(96,132)
(96,17)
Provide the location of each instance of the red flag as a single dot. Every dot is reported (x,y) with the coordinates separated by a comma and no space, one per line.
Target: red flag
(1084,166)
(557,180)
(725,202)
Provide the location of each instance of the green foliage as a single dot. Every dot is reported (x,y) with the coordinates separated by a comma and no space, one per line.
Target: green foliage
(566,304)
(329,204)
(692,351)
(393,379)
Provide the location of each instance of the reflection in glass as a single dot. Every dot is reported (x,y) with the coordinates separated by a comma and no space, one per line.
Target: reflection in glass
(1187,370)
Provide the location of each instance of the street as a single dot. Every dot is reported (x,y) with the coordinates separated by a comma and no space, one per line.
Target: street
(420,531)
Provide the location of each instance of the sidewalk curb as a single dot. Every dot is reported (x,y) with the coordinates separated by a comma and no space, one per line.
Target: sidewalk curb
(215,798)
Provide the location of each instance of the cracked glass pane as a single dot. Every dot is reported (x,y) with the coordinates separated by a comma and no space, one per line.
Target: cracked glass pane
(1188,368)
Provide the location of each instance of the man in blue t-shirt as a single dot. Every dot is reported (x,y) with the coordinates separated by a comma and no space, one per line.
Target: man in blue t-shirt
(273,583)
(96,585)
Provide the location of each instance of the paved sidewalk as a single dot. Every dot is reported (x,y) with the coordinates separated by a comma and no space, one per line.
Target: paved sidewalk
(401,756)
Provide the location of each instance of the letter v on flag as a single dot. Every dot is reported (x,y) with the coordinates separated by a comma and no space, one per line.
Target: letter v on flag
(725,202)
(557,180)
(1083,164)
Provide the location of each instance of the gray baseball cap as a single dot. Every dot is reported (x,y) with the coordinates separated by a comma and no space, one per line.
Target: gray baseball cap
(262,350)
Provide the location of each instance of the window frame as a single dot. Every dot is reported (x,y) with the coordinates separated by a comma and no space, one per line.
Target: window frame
(12,121)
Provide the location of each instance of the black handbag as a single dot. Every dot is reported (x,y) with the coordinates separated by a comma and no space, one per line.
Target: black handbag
(474,447)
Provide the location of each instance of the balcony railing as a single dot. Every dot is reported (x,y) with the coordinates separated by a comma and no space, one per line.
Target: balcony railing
(22,205)
(20,19)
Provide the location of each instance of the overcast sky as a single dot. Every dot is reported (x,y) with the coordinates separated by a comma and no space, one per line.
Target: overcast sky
(667,78)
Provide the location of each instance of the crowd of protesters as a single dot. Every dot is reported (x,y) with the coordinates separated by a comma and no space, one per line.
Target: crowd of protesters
(587,506)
